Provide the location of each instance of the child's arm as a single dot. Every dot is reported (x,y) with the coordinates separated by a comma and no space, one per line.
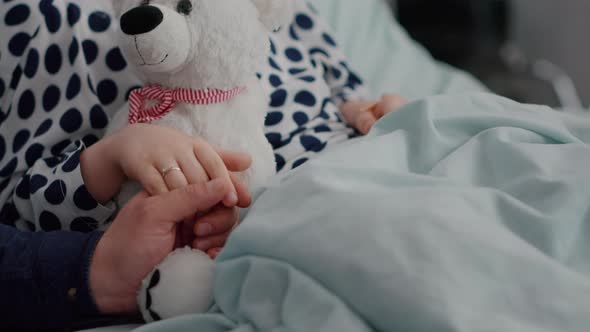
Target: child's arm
(67,192)
(141,151)
(52,180)
(347,88)
(159,158)
(315,34)
(49,194)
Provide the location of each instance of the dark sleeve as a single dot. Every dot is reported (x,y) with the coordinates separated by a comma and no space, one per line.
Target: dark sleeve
(44,279)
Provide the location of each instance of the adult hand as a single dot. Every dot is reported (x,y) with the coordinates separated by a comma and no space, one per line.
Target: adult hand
(211,239)
(141,236)
(210,231)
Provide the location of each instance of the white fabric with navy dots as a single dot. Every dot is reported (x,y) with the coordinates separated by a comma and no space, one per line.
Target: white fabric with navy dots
(62,77)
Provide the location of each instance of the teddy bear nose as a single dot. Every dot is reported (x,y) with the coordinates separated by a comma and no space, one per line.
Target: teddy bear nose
(142,19)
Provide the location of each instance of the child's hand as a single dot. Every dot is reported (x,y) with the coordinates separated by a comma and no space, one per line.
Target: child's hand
(363,115)
(163,159)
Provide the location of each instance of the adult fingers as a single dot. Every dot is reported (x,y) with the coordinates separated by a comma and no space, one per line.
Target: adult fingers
(184,203)
(185,234)
(218,221)
(235,161)
(215,168)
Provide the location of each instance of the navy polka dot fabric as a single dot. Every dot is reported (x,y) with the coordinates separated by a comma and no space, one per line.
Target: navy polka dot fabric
(308,78)
(62,78)
(58,68)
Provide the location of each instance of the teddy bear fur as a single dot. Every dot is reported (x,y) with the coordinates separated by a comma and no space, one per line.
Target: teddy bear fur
(220,44)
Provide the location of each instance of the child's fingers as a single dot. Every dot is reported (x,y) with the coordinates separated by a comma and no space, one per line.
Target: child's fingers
(365,121)
(175,180)
(210,160)
(381,109)
(173,175)
(192,169)
(388,104)
(218,221)
(235,161)
(152,181)
(351,110)
(215,168)
(211,242)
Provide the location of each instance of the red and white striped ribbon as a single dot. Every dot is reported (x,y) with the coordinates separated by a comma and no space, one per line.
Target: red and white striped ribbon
(167,98)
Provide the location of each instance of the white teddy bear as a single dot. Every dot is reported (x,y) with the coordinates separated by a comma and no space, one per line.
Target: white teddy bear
(198,60)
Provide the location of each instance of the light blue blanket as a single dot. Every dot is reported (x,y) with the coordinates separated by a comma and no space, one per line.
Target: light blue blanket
(458,213)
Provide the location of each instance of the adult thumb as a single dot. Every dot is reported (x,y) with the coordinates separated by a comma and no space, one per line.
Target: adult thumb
(184,203)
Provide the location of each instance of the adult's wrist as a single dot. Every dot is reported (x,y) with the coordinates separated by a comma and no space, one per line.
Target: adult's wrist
(80,293)
(112,295)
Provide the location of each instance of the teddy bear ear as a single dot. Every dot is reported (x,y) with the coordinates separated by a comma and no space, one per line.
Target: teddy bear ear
(274,13)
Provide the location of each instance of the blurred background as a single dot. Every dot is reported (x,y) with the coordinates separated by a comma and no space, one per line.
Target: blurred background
(533,51)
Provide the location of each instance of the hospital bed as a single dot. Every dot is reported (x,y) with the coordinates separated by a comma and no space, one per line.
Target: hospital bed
(385,56)
(391,62)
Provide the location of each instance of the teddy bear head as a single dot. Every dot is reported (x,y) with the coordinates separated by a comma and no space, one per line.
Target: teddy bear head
(216,44)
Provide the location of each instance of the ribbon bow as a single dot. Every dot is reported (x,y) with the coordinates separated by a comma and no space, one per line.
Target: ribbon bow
(166,99)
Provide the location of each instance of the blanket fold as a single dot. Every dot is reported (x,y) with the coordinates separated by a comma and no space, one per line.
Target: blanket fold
(457,213)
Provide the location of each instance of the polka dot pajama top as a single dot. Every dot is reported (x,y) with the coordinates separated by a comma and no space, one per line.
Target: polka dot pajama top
(62,78)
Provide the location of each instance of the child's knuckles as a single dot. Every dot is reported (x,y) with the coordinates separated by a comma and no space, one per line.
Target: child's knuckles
(400,102)
(201,146)
(394,101)
(154,187)
(197,189)
(365,122)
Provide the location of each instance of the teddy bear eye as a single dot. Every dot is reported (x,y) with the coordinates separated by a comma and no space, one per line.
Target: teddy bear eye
(184,7)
